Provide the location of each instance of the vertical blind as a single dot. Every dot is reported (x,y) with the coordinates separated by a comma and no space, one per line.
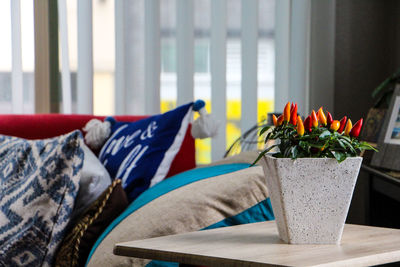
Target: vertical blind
(152,62)
(299,70)
(16,73)
(128,86)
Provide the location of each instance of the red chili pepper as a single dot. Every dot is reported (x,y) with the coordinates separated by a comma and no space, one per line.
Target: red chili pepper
(342,124)
(286,112)
(329,118)
(307,124)
(293,115)
(291,108)
(355,131)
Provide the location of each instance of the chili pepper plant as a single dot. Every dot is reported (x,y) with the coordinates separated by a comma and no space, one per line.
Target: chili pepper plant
(319,136)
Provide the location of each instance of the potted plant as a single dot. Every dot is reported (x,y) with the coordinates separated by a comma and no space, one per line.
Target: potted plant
(312,175)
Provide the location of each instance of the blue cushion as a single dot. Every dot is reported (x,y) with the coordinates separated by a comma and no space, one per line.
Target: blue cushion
(39,180)
(140,153)
(260,212)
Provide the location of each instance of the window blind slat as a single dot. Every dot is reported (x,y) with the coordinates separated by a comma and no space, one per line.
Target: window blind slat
(249,63)
(152,56)
(16,74)
(65,69)
(299,62)
(120,86)
(85,57)
(282,53)
(218,75)
(185,48)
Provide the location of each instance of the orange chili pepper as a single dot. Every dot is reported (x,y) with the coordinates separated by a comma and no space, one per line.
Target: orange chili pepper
(275,120)
(286,112)
(280,120)
(300,126)
(335,125)
(322,117)
(349,125)
(314,119)
(293,115)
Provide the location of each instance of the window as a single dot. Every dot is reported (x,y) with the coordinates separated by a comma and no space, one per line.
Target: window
(27,50)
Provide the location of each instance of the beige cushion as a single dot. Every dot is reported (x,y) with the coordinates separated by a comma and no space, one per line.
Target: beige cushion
(188,208)
(242,157)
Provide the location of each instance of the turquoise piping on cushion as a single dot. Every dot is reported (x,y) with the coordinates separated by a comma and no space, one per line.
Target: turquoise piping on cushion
(258,213)
(166,186)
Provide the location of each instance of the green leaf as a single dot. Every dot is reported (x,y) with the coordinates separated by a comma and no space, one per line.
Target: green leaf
(262,154)
(366,146)
(304,145)
(294,152)
(316,145)
(263,130)
(339,156)
(380,87)
(342,144)
(348,143)
(345,138)
(325,134)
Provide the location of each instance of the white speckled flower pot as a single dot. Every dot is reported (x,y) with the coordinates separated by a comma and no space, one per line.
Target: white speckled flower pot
(310,197)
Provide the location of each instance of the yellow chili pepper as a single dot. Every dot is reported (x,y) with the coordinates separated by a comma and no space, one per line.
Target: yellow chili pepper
(349,125)
(314,119)
(286,112)
(322,117)
(300,126)
(335,125)
(275,120)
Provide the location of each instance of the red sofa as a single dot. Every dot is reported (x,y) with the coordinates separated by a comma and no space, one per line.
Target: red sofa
(39,126)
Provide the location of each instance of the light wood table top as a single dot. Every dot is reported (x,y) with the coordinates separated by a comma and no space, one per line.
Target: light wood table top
(258,244)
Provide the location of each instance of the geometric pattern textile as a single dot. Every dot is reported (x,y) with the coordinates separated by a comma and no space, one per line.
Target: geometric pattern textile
(39,180)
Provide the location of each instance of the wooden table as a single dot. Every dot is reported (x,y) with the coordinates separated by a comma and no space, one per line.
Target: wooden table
(258,244)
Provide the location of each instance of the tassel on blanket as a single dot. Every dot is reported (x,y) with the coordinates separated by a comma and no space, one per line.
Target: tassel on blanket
(97,133)
(205,125)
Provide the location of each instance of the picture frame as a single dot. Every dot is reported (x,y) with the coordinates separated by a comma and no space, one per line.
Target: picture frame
(373,125)
(388,156)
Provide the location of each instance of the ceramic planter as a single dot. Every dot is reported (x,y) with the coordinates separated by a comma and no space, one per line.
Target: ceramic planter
(310,197)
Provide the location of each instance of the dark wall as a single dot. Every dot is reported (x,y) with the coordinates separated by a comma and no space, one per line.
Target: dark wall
(367,50)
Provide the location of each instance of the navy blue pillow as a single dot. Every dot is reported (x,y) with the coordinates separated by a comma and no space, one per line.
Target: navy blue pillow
(140,153)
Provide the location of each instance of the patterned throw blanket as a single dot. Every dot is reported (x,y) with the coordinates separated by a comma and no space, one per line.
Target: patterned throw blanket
(39,180)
